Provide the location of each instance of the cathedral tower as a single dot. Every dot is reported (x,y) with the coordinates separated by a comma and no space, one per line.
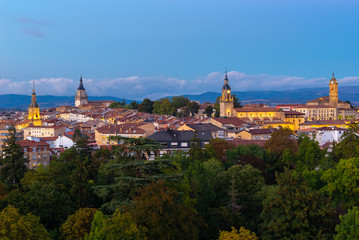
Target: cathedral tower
(81,95)
(333,92)
(34,109)
(226,100)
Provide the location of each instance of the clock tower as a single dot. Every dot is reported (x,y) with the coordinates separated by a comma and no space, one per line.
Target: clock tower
(226,100)
(81,95)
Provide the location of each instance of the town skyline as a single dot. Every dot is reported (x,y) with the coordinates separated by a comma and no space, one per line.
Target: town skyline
(165,48)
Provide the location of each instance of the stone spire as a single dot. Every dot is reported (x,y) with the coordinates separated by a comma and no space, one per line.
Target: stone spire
(33,97)
(81,86)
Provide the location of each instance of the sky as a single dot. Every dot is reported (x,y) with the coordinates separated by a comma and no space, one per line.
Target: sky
(141,48)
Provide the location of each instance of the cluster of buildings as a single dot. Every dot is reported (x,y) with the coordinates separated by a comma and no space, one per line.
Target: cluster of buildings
(42,134)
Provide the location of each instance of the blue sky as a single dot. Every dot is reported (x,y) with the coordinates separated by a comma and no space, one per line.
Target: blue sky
(141,48)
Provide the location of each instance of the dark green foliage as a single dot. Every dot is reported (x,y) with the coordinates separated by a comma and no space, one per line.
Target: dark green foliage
(163,107)
(348,229)
(293,211)
(13,161)
(349,144)
(239,186)
(208,111)
(192,108)
(146,106)
(159,209)
(180,101)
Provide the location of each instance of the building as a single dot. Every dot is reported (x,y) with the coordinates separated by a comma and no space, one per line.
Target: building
(294,117)
(81,95)
(216,131)
(126,130)
(44,131)
(34,109)
(173,140)
(255,134)
(323,123)
(226,100)
(37,153)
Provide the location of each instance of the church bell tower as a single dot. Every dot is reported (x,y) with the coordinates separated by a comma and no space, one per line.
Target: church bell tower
(226,100)
(81,95)
(34,109)
(333,92)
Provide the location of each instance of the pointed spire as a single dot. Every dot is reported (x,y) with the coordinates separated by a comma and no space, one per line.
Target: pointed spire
(225,76)
(226,86)
(81,86)
(33,86)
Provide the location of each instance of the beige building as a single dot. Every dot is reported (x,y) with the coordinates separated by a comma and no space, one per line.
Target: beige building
(37,153)
(128,130)
(44,131)
(255,134)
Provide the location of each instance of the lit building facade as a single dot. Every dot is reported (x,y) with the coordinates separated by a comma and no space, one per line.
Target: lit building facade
(226,100)
(34,109)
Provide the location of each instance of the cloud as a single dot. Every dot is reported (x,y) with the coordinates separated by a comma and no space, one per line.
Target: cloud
(138,87)
(26,20)
(33,32)
(31,26)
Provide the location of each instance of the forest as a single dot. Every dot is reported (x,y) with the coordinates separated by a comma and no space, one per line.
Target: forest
(288,189)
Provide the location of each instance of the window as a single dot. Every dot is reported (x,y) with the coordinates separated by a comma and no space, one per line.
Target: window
(174,144)
(34,149)
(44,148)
(184,144)
(25,149)
(33,157)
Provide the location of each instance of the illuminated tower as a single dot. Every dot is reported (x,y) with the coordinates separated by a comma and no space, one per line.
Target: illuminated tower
(34,109)
(226,100)
(333,92)
(81,95)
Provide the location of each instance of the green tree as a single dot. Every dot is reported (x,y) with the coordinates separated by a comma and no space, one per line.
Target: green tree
(242,234)
(309,155)
(294,211)
(159,209)
(96,227)
(218,147)
(163,107)
(116,105)
(209,111)
(78,224)
(240,186)
(282,139)
(343,182)
(348,147)
(180,101)
(18,227)
(134,105)
(217,107)
(236,103)
(193,108)
(146,106)
(348,229)
(13,161)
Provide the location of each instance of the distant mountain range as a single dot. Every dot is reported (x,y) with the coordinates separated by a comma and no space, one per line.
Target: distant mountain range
(14,101)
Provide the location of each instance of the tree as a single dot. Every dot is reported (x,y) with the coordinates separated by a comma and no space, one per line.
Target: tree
(238,189)
(18,227)
(180,101)
(348,229)
(163,107)
(134,105)
(348,147)
(13,161)
(309,155)
(282,139)
(193,108)
(146,106)
(209,111)
(78,224)
(217,107)
(343,182)
(96,227)
(294,211)
(159,210)
(236,103)
(218,147)
(242,234)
